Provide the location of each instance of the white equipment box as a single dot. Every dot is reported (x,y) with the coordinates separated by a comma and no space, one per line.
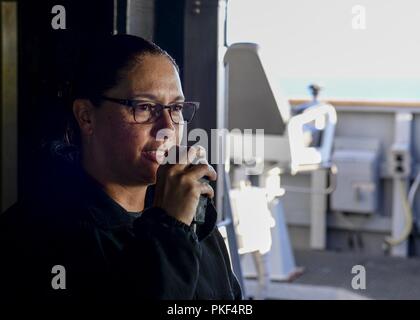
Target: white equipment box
(357,181)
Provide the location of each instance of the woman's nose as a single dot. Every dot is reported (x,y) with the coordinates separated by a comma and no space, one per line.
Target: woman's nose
(166,119)
(164,122)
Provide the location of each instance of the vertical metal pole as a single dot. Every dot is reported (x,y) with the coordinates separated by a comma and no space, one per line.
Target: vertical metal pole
(221,119)
(223,183)
(318,230)
(403,125)
(140,18)
(231,234)
(398,222)
(120,16)
(8,104)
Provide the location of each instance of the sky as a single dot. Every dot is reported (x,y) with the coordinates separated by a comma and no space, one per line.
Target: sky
(314,40)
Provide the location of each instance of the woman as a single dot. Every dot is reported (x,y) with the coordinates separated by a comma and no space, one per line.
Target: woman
(106,214)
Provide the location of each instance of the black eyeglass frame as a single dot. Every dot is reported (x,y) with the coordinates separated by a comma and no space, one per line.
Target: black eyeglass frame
(160,107)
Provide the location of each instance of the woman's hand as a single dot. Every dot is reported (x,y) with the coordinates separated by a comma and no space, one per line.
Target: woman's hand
(177,187)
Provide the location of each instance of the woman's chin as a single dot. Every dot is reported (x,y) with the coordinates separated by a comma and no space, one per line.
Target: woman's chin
(148,171)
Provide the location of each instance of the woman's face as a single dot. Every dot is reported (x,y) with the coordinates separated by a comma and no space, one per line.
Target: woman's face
(122,146)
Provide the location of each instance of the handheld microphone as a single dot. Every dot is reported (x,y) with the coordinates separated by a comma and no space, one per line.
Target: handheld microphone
(200,213)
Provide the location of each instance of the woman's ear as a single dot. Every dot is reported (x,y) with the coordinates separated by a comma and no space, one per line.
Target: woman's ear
(83,112)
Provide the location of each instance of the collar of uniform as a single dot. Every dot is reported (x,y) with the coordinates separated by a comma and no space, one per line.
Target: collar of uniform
(105,211)
(76,186)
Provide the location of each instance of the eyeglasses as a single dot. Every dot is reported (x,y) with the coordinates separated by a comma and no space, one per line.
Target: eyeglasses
(149,112)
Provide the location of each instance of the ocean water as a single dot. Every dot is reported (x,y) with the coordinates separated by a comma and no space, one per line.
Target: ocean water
(357,89)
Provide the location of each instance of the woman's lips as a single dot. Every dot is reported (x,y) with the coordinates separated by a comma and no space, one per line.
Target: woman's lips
(155,156)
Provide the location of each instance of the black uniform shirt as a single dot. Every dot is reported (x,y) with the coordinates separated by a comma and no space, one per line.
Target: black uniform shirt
(106,252)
